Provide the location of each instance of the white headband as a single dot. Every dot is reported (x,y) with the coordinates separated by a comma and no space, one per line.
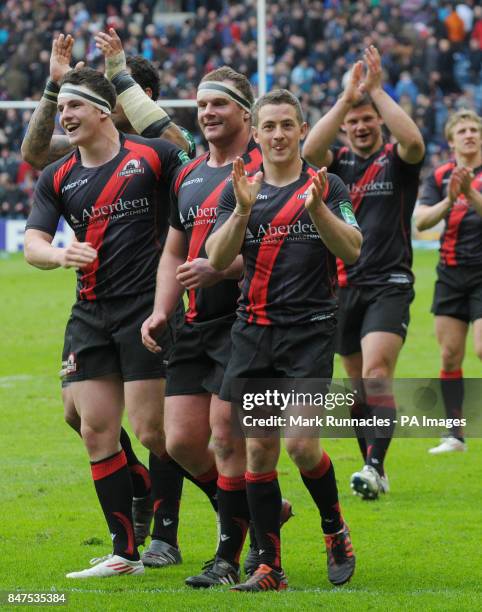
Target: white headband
(80,92)
(226,91)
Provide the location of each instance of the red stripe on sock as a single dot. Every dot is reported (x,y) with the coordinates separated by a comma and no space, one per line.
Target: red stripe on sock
(451,375)
(211,474)
(320,470)
(129,529)
(106,467)
(266,477)
(228,483)
(143,472)
(385,401)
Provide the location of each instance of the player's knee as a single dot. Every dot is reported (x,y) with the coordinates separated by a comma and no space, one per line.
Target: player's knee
(179,447)
(452,358)
(377,372)
(151,439)
(260,457)
(96,438)
(304,453)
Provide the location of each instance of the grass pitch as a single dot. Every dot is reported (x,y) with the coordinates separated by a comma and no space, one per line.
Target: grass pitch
(417,549)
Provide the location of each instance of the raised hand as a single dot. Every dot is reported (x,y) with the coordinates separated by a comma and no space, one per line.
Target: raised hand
(466,176)
(316,189)
(246,188)
(61,56)
(355,87)
(111,46)
(373,61)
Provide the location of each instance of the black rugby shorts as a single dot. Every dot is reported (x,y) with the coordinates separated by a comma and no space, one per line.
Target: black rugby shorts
(272,351)
(199,358)
(362,310)
(458,292)
(104,337)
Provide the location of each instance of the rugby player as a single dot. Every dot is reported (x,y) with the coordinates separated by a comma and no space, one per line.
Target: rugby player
(453,193)
(39,148)
(375,293)
(109,190)
(193,411)
(285,322)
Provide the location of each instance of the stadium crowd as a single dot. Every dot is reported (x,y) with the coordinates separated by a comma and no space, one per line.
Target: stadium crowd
(431,56)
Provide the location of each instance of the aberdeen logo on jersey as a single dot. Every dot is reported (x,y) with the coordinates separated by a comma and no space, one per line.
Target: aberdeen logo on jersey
(118,209)
(198,215)
(292,231)
(133,166)
(372,188)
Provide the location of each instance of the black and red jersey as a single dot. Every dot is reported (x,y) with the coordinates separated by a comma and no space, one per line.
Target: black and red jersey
(461,240)
(383,190)
(289,275)
(194,197)
(120,207)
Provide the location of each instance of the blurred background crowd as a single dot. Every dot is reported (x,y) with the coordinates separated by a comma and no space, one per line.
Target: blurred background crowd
(431,56)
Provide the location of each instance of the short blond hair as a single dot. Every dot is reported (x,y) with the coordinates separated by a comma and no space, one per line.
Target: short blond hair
(463,114)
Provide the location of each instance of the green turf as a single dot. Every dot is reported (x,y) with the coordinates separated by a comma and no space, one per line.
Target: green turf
(418,548)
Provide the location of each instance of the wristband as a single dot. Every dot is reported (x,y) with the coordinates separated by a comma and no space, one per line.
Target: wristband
(51,91)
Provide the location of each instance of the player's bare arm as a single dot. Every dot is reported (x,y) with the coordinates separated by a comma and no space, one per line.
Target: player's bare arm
(199,273)
(324,132)
(139,108)
(39,148)
(428,216)
(224,245)
(341,239)
(411,147)
(40,252)
(168,289)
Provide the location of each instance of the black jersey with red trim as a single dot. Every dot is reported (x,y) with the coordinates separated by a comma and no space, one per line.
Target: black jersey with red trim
(383,190)
(194,200)
(117,207)
(289,274)
(461,240)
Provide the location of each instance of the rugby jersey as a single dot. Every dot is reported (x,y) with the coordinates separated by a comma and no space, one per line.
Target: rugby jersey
(461,240)
(383,190)
(289,275)
(121,208)
(194,202)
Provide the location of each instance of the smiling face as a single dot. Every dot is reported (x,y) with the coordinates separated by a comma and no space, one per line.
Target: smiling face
(279,133)
(219,117)
(363,126)
(465,138)
(80,120)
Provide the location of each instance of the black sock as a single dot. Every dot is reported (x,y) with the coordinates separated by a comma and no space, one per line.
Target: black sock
(141,481)
(358,411)
(264,499)
(114,490)
(166,493)
(452,384)
(381,407)
(234,517)
(321,484)
(208,483)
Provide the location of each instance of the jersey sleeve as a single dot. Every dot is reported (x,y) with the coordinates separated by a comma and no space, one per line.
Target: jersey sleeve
(410,170)
(47,209)
(171,157)
(339,202)
(226,205)
(430,193)
(174,217)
